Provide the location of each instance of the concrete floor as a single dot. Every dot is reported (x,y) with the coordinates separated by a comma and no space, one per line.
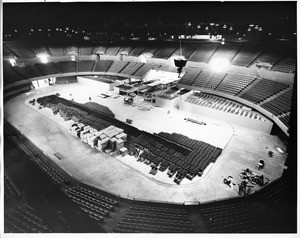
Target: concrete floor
(242,148)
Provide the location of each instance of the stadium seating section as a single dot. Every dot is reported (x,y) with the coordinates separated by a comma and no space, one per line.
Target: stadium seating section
(280,104)
(103,65)
(221,104)
(204,52)
(235,216)
(215,80)
(262,90)
(131,68)
(259,91)
(10,74)
(157,219)
(23,219)
(234,83)
(203,78)
(117,66)
(243,215)
(246,55)
(189,77)
(86,65)
(226,51)
(286,65)
(49,68)
(113,49)
(67,66)
(166,51)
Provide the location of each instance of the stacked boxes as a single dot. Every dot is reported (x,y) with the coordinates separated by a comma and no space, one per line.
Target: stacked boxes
(76,129)
(111,138)
(122,136)
(113,143)
(102,144)
(119,144)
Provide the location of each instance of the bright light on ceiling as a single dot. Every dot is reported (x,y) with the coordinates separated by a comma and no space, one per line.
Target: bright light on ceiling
(43,58)
(219,64)
(12,62)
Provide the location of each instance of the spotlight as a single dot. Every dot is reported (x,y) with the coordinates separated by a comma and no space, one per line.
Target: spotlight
(43,58)
(219,64)
(12,62)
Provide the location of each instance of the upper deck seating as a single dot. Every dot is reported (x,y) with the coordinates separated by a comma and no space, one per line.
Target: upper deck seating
(246,55)
(56,49)
(272,54)
(10,75)
(130,68)
(126,48)
(113,49)
(166,51)
(187,49)
(100,48)
(286,65)
(67,66)
(22,49)
(72,50)
(85,65)
(226,51)
(29,71)
(85,49)
(102,65)
(117,66)
(48,69)
(203,52)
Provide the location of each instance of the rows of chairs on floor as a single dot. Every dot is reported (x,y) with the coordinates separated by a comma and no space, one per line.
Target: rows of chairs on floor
(100,108)
(221,104)
(164,152)
(76,114)
(169,94)
(154,219)
(23,219)
(243,216)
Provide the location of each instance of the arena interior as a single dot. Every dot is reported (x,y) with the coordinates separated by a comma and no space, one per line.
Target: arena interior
(150,117)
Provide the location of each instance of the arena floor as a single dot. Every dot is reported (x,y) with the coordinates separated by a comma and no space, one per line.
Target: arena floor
(124,176)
